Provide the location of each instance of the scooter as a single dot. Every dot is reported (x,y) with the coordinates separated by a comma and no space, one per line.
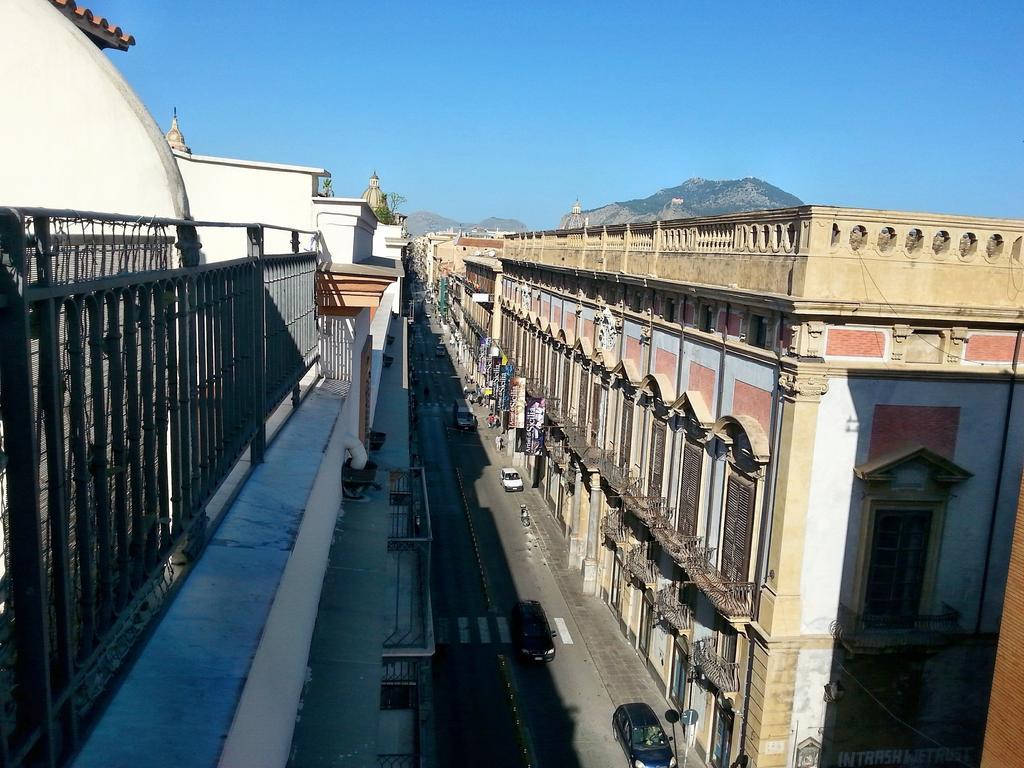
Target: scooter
(524,516)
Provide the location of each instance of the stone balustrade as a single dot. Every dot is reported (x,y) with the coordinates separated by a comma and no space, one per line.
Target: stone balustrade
(814,252)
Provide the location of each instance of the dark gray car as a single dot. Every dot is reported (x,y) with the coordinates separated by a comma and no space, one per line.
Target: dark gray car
(639,733)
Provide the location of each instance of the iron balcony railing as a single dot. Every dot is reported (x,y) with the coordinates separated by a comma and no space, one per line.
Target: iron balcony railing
(722,674)
(614,529)
(733,599)
(866,633)
(616,476)
(640,566)
(680,547)
(677,614)
(132,379)
(652,511)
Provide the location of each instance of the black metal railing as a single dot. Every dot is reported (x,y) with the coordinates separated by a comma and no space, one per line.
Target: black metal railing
(640,566)
(132,379)
(867,632)
(733,599)
(615,529)
(722,674)
(677,614)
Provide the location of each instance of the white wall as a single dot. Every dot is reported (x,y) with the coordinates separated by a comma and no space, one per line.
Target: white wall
(74,133)
(833,521)
(221,189)
(347,226)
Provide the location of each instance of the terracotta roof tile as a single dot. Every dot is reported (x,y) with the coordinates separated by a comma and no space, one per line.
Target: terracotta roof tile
(99,30)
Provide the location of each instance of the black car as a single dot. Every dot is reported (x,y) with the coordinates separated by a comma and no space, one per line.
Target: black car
(439,351)
(531,632)
(639,733)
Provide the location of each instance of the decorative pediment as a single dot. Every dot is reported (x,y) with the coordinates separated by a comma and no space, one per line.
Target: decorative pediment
(693,408)
(626,369)
(585,347)
(658,385)
(910,467)
(745,440)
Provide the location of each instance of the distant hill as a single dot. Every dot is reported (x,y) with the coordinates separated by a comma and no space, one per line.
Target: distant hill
(421,222)
(694,197)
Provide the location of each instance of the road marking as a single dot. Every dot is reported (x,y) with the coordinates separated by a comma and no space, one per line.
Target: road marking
(563,632)
(463,629)
(503,633)
(485,629)
(442,631)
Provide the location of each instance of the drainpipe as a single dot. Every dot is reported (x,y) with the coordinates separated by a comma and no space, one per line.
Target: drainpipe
(355,449)
(999,483)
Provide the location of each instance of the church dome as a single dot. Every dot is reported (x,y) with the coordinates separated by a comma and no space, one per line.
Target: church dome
(175,137)
(575,219)
(373,194)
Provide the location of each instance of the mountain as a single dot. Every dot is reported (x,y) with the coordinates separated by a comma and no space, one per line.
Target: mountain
(694,197)
(421,222)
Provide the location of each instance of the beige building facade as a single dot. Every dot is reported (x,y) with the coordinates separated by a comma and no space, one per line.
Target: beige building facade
(784,448)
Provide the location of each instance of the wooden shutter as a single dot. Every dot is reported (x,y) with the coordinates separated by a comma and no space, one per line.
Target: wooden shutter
(565,384)
(595,413)
(581,403)
(626,435)
(739,520)
(689,489)
(657,460)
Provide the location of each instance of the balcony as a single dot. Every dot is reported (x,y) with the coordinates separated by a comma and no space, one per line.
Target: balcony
(652,511)
(679,546)
(722,674)
(640,566)
(615,475)
(733,599)
(881,634)
(676,614)
(614,529)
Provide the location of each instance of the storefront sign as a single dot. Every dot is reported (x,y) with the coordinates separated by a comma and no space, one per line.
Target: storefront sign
(534,438)
(517,403)
(905,758)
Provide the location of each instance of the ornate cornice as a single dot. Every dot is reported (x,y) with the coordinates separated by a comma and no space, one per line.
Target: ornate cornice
(803,386)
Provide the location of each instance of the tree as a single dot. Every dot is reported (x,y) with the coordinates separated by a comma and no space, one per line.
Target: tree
(386,211)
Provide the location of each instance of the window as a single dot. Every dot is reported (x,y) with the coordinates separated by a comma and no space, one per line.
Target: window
(565,384)
(626,435)
(739,522)
(758,335)
(657,460)
(581,403)
(668,308)
(899,548)
(595,415)
(689,489)
(707,318)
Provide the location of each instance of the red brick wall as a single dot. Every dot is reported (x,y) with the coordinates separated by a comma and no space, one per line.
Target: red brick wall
(990,348)
(847,342)
(545,309)
(588,330)
(898,426)
(633,351)
(665,362)
(1002,733)
(748,400)
(570,323)
(702,379)
(557,317)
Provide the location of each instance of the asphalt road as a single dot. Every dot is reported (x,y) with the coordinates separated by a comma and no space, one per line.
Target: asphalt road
(483,562)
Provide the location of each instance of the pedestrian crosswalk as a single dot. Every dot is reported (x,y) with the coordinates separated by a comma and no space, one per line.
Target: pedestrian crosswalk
(485,630)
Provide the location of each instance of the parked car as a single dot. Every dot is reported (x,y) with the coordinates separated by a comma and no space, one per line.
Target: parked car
(510,480)
(440,351)
(639,733)
(464,419)
(531,632)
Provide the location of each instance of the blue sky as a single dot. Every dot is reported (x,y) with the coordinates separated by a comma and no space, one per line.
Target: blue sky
(494,109)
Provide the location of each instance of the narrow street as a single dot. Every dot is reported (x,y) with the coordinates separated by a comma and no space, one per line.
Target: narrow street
(564,707)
